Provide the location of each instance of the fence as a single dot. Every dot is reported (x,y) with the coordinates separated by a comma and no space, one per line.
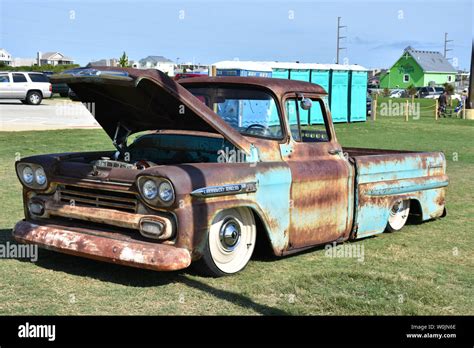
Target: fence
(412,108)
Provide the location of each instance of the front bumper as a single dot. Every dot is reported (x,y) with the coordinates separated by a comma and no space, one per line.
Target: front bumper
(103,247)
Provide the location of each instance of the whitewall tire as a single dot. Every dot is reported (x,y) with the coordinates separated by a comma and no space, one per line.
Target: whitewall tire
(230,243)
(398,215)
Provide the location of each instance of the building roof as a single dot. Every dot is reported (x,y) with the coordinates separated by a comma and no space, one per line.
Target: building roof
(154,60)
(430,61)
(50,55)
(104,62)
(270,65)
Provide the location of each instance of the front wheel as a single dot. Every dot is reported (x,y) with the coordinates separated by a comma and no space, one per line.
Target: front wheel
(230,243)
(398,215)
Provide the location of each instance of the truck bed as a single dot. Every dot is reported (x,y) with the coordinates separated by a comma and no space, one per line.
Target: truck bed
(384,176)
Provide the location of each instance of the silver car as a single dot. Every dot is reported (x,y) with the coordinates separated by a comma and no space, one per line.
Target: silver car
(29,87)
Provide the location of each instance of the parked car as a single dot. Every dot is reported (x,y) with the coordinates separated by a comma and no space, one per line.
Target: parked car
(429,92)
(29,87)
(397,93)
(59,88)
(223,160)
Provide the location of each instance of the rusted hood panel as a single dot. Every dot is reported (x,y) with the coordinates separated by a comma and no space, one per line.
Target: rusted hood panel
(145,100)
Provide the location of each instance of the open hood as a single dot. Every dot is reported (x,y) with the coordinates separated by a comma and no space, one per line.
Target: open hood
(129,100)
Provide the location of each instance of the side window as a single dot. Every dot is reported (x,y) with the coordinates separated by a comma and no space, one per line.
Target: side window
(4,78)
(312,127)
(292,115)
(19,78)
(38,78)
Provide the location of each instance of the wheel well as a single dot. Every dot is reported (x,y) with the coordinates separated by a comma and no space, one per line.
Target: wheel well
(263,246)
(416,212)
(35,90)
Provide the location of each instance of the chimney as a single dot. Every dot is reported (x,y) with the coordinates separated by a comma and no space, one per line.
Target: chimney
(38,58)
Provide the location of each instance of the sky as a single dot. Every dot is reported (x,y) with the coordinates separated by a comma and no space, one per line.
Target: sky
(208,31)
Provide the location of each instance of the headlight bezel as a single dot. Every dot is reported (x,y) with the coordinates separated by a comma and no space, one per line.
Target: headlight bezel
(157,201)
(34,184)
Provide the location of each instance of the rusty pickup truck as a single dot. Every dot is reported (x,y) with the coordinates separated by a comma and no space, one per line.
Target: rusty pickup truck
(205,168)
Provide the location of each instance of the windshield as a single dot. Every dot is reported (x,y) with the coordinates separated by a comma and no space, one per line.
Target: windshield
(250,111)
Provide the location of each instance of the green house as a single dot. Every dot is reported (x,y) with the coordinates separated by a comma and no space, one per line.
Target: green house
(418,68)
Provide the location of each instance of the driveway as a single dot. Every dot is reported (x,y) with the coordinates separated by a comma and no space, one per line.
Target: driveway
(50,114)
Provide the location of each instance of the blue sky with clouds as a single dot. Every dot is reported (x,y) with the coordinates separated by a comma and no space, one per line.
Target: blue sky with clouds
(209,31)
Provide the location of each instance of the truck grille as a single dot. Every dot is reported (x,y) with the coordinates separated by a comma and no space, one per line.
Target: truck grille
(88,197)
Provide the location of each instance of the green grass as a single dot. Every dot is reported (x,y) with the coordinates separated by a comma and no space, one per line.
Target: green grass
(426,107)
(424,269)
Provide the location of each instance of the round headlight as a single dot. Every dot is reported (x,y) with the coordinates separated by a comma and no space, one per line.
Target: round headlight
(165,191)
(149,189)
(40,176)
(28,175)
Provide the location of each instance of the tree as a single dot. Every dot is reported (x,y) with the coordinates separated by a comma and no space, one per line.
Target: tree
(123,61)
(411,90)
(448,87)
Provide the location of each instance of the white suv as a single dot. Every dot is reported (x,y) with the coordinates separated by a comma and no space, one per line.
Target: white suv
(29,87)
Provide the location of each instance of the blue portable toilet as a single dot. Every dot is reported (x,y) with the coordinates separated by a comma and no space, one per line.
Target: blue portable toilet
(279,73)
(320,76)
(358,95)
(339,93)
(242,68)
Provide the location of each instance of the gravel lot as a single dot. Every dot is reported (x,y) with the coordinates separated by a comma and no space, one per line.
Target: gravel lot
(50,114)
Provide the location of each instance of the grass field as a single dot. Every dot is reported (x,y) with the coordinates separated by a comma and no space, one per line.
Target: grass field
(424,269)
(421,108)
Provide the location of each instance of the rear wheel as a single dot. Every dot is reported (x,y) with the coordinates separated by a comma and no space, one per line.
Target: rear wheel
(34,98)
(398,215)
(230,243)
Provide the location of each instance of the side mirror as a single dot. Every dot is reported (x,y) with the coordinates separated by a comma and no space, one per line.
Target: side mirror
(306,103)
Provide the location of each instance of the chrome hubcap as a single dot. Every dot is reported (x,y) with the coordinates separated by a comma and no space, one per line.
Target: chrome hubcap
(34,98)
(397,207)
(230,234)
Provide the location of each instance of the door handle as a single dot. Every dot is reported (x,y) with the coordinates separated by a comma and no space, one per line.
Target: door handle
(334,151)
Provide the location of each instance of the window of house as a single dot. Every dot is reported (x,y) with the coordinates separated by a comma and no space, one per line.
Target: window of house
(303,129)
(406,78)
(19,78)
(450,78)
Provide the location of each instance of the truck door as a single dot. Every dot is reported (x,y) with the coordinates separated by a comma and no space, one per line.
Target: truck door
(5,86)
(322,179)
(20,86)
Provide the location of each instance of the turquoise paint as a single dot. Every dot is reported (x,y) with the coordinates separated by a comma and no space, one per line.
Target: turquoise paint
(398,176)
(358,107)
(340,96)
(405,166)
(273,198)
(319,77)
(404,187)
(281,73)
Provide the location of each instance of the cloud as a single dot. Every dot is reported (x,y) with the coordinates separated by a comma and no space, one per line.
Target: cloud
(400,45)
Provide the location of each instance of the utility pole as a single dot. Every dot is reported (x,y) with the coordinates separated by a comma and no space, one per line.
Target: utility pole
(338,48)
(446,41)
